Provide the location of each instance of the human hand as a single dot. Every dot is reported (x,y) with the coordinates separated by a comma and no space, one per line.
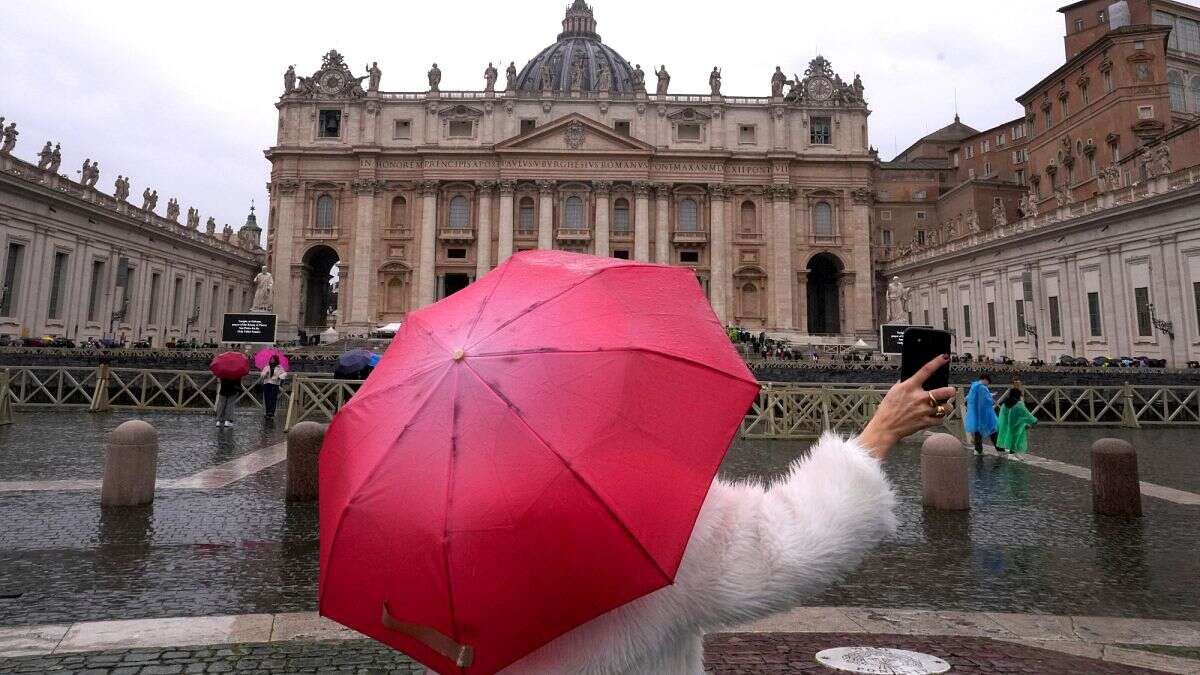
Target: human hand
(907,409)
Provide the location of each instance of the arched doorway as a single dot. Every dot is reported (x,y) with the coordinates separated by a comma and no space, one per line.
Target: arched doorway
(824,305)
(318,286)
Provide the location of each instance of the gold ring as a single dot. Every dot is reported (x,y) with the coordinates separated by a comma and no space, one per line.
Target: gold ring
(933,401)
(939,411)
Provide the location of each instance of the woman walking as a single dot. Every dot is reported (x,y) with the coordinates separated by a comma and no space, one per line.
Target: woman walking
(272,376)
(227,395)
(980,418)
(1015,420)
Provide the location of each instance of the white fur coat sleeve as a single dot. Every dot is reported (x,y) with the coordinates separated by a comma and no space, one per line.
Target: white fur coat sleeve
(753,552)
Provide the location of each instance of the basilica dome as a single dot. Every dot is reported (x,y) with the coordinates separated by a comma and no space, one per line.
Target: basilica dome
(578,43)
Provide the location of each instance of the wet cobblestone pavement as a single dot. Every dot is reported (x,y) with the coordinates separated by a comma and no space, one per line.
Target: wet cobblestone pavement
(1169,457)
(1030,544)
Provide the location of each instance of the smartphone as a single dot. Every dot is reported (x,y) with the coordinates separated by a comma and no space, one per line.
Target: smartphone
(922,345)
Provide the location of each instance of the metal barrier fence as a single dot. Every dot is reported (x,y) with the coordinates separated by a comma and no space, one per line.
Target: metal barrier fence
(780,411)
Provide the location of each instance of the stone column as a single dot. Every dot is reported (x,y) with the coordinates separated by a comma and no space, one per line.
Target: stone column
(781,255)
(286,201)
(428,251)
(662,224)
(718,262)
(483,238)
(361,264)
(601,189)
(641,221)
(859,237)
(504,245)
(546,215)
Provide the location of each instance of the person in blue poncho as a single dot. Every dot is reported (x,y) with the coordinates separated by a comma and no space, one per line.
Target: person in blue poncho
(981,412)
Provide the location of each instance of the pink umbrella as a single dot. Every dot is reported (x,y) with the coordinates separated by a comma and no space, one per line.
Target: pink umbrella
(263,357)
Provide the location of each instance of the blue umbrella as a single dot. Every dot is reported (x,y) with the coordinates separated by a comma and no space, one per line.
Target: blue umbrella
(375,357)
(352,362)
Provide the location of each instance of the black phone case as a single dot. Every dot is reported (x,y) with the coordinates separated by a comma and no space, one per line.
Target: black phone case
(922,345)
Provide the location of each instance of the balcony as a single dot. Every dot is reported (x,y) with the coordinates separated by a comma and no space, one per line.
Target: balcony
(573,234)
(621,235)
(825,240)
(397,233)
(526,233)
(456,234)
(322,233)
(690,238)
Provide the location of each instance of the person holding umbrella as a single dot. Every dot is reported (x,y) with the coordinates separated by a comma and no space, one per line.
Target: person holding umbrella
(272,375)
(230,368)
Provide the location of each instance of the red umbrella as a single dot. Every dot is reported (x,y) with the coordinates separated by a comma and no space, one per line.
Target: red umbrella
(263,356)
(230,365)
(530,453)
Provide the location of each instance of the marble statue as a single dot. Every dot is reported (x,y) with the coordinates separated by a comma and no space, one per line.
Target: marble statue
(972,221)
(149,200)
(714,81)
(664,80)
(577,75)
(1102,181)
(172,209)
(85,171)
(545,80)
(435,77)
(639,79)
(858,88)
(510,75)
(778,79)
(226,232)
(999,216)
(373,74)
(289,80)
(1162,156)
(604,78)
(264,292)
(1032,212)
(489,78)
(1146,164)
(10,139)
(121,188)
(92,176)
(210,226)
(897,302)
(55,158)
(193,218)
(45,156)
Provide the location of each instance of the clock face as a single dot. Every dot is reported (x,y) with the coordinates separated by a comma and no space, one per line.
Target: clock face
(332,82)
(820,88)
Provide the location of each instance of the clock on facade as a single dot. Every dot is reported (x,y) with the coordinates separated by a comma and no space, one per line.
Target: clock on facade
(819,88)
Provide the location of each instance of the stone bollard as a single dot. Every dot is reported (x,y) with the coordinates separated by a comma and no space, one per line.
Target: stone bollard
(303,447)
(944,483)
(130,462)
(1115,487)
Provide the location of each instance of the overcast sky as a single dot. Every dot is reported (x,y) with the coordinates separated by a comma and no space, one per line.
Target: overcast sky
(180,95)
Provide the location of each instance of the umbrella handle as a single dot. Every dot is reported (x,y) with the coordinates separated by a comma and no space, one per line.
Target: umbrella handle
(462,655)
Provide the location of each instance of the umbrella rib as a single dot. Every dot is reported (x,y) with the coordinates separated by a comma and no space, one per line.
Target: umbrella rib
(451,464)
(357,398)
(643,350)
(483,305)
(607,507)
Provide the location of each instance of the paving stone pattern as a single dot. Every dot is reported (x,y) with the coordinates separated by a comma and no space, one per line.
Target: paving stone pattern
(1165,456)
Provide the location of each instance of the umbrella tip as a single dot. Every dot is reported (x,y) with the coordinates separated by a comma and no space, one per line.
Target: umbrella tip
(459,354)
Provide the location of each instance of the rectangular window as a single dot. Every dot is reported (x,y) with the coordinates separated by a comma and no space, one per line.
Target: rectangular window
(93,312)
(689,131)
(329,124)
(212,306)
(621,254)
(885,215)
(887,238)
(1141,300)
(925,313)
(1049,119)
(1019,179)
(621,127)
(920,194)
(461,128)
(58,279)
(1097,328)
(1083,91)
(1108,81)
(403,130)
(1020,318)
(955,160)
(1078,25)
(1189,35)
(991,316)
(176,301)
(921,215)
(820,131)
(1145,112)
(1055,317)
(12,279)
(987,146)
(966,321)
(1000,140)
(921,237)
(528,125)
(456,253)
(689,256)
(152,311)
(987,168)
(945,318)
(1066,111)
(746,134)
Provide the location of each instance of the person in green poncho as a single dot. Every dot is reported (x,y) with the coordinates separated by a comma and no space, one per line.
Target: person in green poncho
(1015,420)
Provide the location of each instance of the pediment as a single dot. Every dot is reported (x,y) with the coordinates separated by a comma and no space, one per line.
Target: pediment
(574,133)
(689,115)
(460,112)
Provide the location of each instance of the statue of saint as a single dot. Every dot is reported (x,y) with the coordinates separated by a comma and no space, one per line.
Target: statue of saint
(545,81)
(510,75)
(172,209)
(778,79)
(210,226)
(639,79)
(664,80)
(55,158)
(999,216)
(193,218)
(577,75)
(489,78)
(1032,211)
(897,302)
(858,88)
(45,156)
(289,80)
(374,74)
(1162,156)
(146,199)
(226,232)
(714,81)
(604,78)
(435,78)
(85,171)
(93,175)
(10,139)
(264,292)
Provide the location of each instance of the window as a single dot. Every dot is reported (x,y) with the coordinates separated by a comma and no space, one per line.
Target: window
(212,306)
(820,131)
(93,312)
(688,221)
(689,256)
(402,130)
(528,125)
(886,238)
(399,212)
(1020,318)
(1178,97)
(885,215)
(1049,118)
(687,131)
(12,279)
(1083,92)
(971,174)
(920,234)
(945,318)
(460,213)
(525,214)
(621,215)
(925,313)
(1055,317)
(1141,301)
(1000,140)
(1145,112)
(1078,25)
(324,219)
(1189,35)
(1101,16)
(920,194)
(621,254)
(922,215)
(823,220)
(152,306)
(329,124)
(1108,81)
(986,146)
(621,127)
(955,158)
(987,168)
(58,279)
(456,253)
(746,134)
(1019,178)
(991,316)
(176,301)
(573,213)
(1093,301)
(966,321)
(749,217)
(461,128)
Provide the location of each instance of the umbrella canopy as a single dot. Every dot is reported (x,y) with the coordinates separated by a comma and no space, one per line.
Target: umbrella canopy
(263,356)
(230,365)
(530,453)
(352,361)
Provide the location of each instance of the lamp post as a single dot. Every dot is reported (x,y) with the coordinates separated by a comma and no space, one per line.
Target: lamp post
(1032,330)
(191,320)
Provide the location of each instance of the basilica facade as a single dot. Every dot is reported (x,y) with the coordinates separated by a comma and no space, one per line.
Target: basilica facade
(414,195)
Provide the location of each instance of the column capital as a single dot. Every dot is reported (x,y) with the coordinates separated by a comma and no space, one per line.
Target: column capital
(429,188)
(366,186)
(287,186)
(507,187)
(546,186)
(641,188)
(718,190)
(485,187)
(662,190)
(780,193)
(602,186)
